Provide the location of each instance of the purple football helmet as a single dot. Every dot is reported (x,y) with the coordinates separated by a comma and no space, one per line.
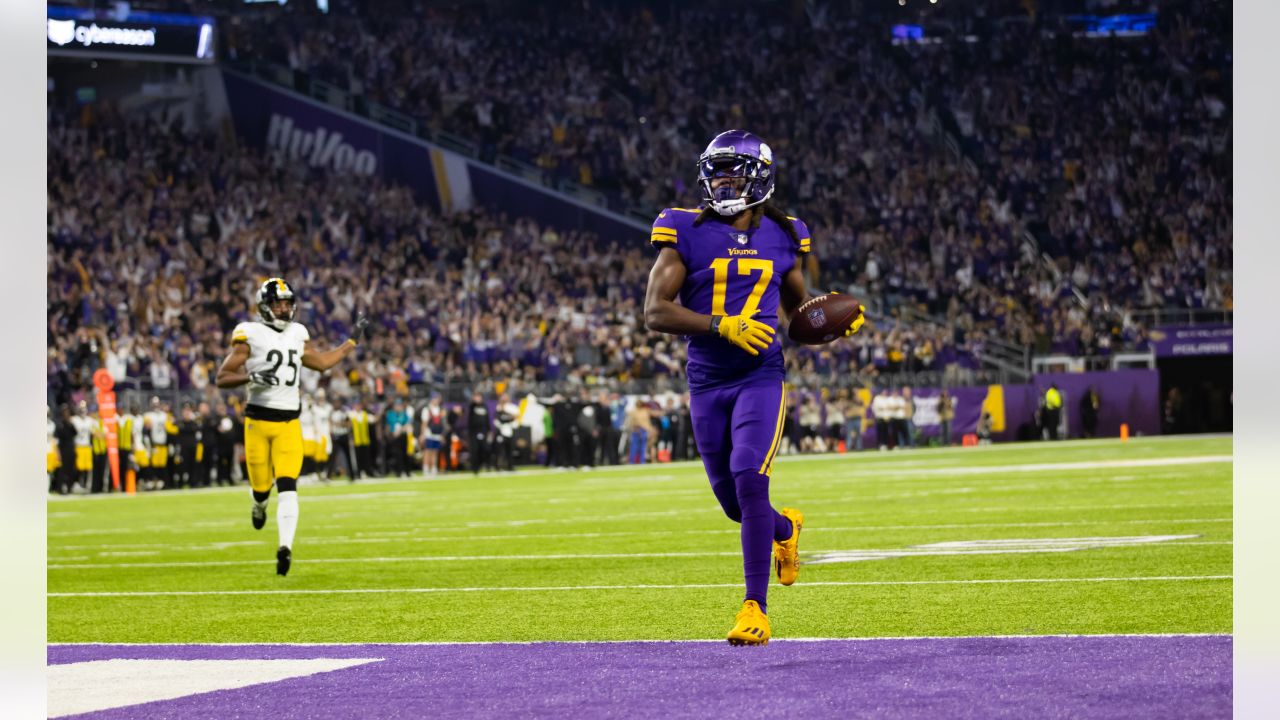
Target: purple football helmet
(736,154)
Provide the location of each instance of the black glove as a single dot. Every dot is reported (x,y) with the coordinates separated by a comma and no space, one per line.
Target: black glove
(360,329)
(264,378)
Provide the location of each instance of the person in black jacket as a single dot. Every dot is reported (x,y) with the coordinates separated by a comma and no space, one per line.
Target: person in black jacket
(478,427)
(564,428)
(208,453)
(188,428)
(225,444)
(65,433)
(588,430)
(1090,404)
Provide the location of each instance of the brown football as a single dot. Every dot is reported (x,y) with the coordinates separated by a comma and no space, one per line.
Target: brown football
(823,319)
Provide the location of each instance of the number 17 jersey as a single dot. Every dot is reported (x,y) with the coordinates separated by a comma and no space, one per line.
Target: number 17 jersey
(278,352)
(731,272)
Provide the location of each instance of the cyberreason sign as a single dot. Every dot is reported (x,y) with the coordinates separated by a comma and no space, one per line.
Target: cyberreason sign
(165,37)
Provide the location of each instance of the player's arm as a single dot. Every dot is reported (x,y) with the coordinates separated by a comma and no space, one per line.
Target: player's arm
(233,373)
(322,361)
(661,311)
(795,292)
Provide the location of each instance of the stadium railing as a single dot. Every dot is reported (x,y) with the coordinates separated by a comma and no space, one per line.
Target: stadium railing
(1088,363)
(131,391)
(1190,316)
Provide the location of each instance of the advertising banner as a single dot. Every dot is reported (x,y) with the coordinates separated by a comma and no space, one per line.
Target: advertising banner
(305,130)
(1130,397)
(163,37)
(1192,341)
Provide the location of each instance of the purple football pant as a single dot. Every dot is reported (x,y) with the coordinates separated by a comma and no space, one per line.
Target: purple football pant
(737,430)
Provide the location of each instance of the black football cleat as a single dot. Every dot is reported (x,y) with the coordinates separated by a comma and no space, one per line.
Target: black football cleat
(259,515)
(284,558)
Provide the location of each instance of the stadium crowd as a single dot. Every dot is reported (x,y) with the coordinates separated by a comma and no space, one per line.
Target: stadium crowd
(902,220)
(157,238)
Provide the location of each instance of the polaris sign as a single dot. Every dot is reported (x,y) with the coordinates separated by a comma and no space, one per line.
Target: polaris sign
(319,148)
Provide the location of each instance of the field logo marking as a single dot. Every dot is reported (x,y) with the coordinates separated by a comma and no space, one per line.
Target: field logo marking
(83,687)
(991,547)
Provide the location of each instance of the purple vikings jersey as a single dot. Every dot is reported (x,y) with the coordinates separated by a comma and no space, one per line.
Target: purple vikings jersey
(730,272)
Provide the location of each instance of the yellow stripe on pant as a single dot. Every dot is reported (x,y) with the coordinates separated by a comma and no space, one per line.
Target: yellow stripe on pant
(767,467)
(272,450)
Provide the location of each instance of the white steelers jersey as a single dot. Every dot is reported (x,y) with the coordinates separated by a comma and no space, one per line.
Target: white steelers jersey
(320,419)
(307,418)
(278,352)
(84,429)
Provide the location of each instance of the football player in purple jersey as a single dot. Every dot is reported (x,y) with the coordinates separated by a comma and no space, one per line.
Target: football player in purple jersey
(733,264)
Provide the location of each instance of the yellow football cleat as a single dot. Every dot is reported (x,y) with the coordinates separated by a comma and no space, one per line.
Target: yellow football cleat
(751,626)
(786,554)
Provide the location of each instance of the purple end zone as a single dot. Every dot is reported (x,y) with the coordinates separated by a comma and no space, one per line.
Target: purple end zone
(1043,677)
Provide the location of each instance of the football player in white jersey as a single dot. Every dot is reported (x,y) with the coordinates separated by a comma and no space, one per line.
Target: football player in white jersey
(84,448)
(269,355)
(52,461)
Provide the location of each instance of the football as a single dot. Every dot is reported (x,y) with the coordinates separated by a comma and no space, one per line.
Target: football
(823,319)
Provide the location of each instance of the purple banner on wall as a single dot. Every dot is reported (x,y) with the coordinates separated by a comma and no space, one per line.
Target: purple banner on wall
(278,120)
(1126,396)
(306,130)
(1198,340)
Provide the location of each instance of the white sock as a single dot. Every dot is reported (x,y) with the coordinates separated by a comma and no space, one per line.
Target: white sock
(287,516)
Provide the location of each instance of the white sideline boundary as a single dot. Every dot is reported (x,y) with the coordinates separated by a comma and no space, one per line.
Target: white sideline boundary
(577,588)
(555,556)
(888,462)
(446,643)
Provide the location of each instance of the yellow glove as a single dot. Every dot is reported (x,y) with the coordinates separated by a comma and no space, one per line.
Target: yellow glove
(856,325)
(748,334)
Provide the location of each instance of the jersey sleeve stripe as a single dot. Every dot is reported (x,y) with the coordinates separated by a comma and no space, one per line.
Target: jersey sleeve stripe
(664,231)
(668,239)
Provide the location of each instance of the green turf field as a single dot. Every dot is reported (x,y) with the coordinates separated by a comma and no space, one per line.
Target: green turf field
(647,554)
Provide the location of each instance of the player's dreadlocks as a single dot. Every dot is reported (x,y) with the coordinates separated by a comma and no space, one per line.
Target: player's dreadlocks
(765,209)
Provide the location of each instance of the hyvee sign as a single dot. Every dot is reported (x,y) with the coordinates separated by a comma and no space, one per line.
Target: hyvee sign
(320,147)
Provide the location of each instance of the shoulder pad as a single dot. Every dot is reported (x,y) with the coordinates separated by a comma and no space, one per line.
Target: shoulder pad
(670,225)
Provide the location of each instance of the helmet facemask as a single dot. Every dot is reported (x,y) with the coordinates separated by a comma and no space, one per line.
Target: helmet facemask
(752,179)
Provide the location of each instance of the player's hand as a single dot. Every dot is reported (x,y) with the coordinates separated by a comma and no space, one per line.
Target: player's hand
(749,334)
(264,378)
(857,324)
(360,329)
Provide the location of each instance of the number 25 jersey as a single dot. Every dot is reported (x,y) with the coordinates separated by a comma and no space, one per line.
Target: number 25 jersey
(731,272)
(278,352)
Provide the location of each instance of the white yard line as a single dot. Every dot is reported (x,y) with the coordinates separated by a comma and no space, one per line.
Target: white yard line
(395,537)
(561,556)
(578,588)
